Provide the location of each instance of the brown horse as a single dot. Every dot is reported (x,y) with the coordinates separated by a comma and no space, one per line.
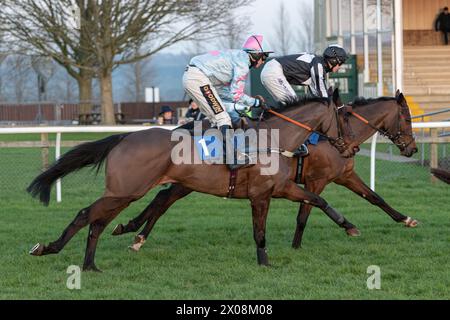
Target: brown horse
(324,165)
(137,162)
(441,174)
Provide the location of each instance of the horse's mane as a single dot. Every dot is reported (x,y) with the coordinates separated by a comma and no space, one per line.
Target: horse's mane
(361,101)
(296,103)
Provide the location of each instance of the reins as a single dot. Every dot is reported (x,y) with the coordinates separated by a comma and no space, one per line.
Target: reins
(297,123)
(338,142)
(382,132)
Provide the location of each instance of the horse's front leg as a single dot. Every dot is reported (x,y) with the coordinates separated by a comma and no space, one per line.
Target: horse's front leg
(169,197)
(260,208)
(316,187)
(354,183)
(159,205)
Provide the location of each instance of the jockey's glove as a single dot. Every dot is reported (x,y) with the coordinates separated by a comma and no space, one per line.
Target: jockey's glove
(260,103)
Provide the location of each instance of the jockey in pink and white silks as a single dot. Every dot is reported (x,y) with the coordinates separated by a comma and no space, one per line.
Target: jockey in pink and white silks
(216,81)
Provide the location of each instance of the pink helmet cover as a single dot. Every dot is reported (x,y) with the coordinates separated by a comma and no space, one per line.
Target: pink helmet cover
(253,43)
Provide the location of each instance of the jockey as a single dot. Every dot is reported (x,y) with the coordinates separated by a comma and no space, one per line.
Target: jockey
(219,76)
(301,69)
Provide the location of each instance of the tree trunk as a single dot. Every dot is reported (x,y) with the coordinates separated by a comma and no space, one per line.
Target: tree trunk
(107,99)
(85,92)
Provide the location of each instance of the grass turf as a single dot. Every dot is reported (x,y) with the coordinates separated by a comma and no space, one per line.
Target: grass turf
(203,247)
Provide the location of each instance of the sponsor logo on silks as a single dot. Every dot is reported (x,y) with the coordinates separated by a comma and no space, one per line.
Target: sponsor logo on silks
(211,99)
(209,147)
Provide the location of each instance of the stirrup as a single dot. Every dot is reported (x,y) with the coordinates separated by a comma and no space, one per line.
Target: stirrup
(302,151)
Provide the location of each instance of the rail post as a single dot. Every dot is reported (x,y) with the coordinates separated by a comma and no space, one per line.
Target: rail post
(44,151)
(434,151)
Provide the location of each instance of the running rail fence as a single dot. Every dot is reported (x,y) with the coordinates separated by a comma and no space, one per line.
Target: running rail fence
(45,144)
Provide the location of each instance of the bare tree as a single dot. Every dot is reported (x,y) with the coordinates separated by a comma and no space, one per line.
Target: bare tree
(283,34)
(45,70)
(119,27)
(19,70)
(62,87)
(109,31)
(236,29)
(156,30)
(3,56)
(305,33)
(57,29)
(138,75)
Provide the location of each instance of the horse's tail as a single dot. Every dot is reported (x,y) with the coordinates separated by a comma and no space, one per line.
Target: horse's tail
(85,155)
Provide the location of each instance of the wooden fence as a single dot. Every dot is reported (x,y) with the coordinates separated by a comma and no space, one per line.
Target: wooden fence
(133,112)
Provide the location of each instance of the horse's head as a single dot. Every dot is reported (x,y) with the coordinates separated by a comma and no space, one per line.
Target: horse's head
(400,130)
(345,141)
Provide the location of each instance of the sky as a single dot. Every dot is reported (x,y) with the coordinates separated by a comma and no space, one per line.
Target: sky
(264,14)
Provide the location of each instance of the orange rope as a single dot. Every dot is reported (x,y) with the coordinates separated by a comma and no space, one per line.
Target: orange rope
(359,117)
(304,126)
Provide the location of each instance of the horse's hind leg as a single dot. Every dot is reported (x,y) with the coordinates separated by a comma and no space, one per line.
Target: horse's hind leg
(163,200)
(354,183)
(99,214)
(104,211)
(80,221)
(161,203)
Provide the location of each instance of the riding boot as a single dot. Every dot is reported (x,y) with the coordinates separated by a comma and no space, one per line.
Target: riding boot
(234,165)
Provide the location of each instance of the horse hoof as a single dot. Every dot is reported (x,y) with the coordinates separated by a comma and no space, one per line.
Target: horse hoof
(118,230)
(353,232)
(134,247)
(410,222)
(37,250)
(139,241)
(263,258)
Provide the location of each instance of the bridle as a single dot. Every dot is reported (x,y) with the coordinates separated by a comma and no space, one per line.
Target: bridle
(395,138)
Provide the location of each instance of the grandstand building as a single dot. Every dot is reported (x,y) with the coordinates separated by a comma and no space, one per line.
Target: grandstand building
(396,47)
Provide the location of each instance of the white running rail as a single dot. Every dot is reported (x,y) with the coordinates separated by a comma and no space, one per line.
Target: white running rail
(112,129)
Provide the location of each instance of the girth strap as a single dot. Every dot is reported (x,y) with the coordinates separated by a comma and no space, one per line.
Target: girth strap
(232,185)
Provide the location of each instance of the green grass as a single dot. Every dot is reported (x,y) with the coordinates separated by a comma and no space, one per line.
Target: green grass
(52,136)
(203,247)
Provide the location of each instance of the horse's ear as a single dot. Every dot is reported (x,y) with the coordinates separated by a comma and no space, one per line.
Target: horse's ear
(330,91)
(400,97)
(336,97)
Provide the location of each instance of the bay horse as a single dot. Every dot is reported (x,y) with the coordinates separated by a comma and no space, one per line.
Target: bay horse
(322,166)
(441,174)
(137,162)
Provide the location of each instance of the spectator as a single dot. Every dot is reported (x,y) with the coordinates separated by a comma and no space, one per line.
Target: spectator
(166,116)
(443,24)
(194,112)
